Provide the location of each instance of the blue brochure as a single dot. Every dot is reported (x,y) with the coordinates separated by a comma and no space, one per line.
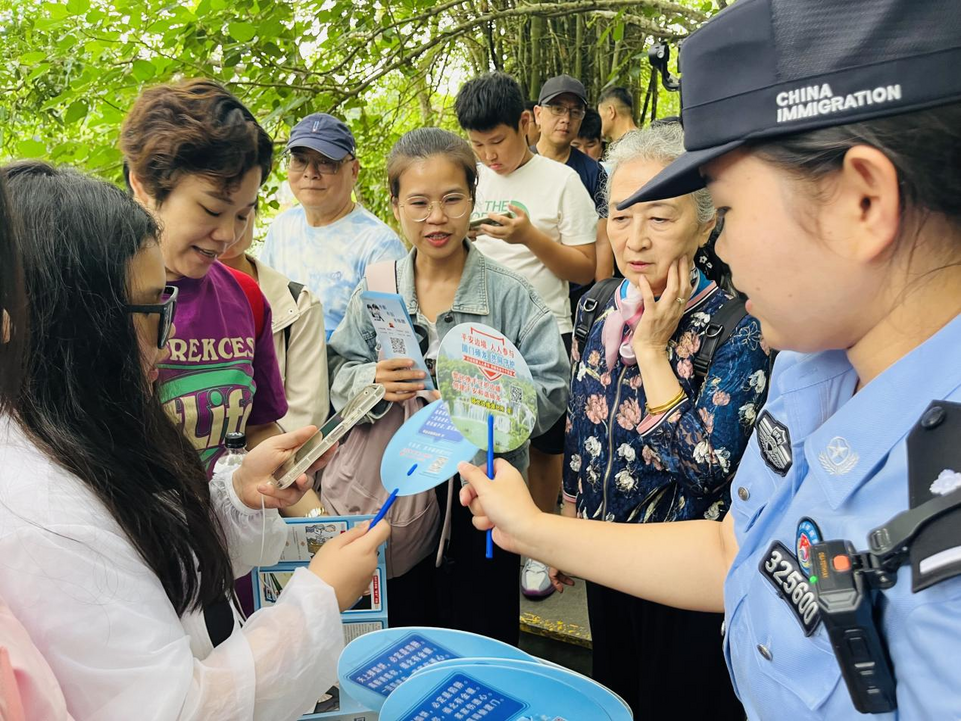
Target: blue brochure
(477,692)
(395,330)
(614,706)
(375,665)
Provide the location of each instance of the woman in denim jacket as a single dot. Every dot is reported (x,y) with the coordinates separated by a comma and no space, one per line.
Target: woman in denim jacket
(445,281)
(647,440)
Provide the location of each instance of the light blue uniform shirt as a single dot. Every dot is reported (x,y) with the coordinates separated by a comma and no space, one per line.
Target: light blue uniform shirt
(329,260)
(848,474)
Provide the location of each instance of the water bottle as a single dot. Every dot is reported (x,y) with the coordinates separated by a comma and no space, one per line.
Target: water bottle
(236,450)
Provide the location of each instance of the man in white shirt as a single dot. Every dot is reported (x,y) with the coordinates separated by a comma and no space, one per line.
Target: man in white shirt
(543,226)
(328,240)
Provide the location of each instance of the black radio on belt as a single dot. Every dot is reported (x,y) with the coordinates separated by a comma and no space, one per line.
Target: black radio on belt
(926,536)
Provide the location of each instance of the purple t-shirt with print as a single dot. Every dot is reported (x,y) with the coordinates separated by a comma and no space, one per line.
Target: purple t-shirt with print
(220,375)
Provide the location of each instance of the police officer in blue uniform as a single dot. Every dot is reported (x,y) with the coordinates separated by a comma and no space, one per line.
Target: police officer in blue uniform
(829,135)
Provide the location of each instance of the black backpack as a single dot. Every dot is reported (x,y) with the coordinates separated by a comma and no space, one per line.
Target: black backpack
(722,325)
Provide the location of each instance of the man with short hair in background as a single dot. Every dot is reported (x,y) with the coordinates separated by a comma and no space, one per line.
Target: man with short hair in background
(616,108)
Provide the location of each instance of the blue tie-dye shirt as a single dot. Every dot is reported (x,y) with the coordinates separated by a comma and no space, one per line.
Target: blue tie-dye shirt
(329,260)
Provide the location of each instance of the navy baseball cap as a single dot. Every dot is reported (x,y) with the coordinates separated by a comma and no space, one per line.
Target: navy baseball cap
(560,85)
(764,68)
(325,134)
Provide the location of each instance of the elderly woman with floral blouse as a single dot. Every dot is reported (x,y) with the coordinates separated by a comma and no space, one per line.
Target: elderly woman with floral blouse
(648,440)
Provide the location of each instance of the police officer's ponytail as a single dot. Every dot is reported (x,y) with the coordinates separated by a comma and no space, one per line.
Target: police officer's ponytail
(924,146)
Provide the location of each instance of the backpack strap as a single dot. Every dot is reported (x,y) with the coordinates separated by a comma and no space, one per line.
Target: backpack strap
(593,302)
(294,287)
(255,299)
(382,277)
(722,325)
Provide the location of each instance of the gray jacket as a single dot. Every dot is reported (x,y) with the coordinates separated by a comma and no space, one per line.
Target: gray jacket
(488,293)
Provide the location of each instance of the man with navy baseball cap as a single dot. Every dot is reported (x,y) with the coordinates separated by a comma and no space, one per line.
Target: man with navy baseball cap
(328,240)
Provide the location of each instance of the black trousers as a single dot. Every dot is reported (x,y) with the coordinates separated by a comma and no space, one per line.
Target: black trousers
(664,662)
(469,592)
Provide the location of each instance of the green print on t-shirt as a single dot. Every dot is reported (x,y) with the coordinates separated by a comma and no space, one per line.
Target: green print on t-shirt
(208,402)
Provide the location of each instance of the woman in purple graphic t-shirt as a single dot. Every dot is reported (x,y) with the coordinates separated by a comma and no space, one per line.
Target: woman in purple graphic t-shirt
(196,158)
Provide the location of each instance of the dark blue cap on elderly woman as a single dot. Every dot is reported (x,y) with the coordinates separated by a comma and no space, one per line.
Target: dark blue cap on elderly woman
(325,134)
(764,68)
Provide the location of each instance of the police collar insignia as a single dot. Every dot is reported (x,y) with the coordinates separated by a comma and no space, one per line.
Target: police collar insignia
(775,441)
(781,569)
(808,534)
(839,458)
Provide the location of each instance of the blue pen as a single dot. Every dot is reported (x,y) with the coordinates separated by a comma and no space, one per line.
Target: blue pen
(386,507)
(490,474)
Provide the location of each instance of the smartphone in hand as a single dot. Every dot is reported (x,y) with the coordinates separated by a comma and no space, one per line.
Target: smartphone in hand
(331,432)
(477,222)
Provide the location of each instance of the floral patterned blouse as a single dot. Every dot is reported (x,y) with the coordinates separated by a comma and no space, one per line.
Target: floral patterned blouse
(622,464)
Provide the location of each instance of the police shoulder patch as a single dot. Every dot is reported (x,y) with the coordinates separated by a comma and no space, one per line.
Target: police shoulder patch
(781,569)
(774,438)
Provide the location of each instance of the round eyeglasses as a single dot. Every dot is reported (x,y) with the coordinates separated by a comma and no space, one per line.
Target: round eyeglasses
(453,206)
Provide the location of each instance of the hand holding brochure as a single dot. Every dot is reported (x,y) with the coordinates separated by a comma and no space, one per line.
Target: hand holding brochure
(395,330)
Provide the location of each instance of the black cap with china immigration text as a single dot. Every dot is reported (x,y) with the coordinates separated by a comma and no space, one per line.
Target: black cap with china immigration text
(764,68)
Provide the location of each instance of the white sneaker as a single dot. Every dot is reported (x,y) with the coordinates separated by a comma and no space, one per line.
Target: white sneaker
(536,580)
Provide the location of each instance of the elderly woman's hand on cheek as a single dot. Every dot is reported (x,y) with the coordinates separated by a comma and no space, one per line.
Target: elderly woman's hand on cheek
(660,319)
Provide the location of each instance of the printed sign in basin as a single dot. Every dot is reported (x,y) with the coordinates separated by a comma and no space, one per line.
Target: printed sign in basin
(480,372)
(374,665)
(614,706)
(424,452)
(478,692)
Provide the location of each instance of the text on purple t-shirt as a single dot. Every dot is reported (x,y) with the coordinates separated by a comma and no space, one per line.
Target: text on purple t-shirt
(218,364)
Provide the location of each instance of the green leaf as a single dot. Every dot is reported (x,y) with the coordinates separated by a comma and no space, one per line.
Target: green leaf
(30,148)
(242,32)
(56,11)
(143,70)
(618,32)
(41,69)
(31,58)
(76,111)
(78,7)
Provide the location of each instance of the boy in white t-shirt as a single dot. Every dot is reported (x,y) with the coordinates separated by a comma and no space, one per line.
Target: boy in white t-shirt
(549,240)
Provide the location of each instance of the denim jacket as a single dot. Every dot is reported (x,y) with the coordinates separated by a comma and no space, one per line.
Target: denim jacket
(488,293)
(622,464)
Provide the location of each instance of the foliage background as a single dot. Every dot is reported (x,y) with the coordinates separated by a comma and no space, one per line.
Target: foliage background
(72,68)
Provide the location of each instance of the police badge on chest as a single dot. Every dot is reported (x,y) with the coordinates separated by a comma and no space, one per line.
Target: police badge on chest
(783,571)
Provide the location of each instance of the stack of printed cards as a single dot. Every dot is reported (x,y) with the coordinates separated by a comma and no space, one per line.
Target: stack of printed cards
(436,674)
(305,536)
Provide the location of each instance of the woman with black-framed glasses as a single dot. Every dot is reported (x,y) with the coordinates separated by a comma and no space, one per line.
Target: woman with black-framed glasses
(165,308)
(118,555)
